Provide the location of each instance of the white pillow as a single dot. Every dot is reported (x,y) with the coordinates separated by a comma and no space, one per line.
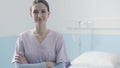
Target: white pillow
(97,59)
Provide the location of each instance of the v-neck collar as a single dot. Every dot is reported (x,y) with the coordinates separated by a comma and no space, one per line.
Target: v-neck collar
(44,37)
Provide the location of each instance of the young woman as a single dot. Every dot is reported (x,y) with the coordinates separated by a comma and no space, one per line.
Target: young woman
(40,46)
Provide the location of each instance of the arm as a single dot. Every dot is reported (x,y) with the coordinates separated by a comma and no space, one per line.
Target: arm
(23,63)
(37,65)
(60,65)
(61,55)
(40,65)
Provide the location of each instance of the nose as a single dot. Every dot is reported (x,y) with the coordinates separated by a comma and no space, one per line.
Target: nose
(39,15)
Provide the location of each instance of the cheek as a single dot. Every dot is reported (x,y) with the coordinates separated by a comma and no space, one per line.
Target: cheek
(34,16)
(46,16)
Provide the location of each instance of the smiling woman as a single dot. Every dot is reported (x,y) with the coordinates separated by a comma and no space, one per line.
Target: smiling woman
(40,46)
(15,18)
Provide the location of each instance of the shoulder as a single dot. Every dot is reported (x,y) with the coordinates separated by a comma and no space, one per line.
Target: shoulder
(56,34)
(25,33)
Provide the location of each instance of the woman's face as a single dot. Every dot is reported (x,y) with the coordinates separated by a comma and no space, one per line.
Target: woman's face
(39,13)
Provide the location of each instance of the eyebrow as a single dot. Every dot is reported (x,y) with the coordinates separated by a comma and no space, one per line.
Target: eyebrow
(40,9)
(34,10)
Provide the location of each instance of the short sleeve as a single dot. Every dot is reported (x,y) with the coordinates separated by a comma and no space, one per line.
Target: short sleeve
(19,49)
(61,55)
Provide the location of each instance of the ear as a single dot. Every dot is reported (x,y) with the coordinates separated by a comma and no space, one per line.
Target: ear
(30,13)
(48,14)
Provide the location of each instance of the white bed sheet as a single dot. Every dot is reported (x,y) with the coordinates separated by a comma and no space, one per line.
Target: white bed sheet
(87,66)
(94,59)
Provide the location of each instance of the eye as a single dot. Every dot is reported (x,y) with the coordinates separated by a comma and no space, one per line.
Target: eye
(43,11)
(35,11)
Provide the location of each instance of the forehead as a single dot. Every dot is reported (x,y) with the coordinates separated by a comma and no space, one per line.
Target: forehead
(39,6)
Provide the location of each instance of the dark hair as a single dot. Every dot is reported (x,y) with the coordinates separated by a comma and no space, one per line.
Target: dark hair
(42,1)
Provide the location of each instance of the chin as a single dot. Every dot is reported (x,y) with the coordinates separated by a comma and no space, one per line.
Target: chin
(39,22)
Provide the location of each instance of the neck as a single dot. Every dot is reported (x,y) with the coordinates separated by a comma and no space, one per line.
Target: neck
(40,30)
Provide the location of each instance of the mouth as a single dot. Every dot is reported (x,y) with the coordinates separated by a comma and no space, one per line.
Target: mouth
(38,20)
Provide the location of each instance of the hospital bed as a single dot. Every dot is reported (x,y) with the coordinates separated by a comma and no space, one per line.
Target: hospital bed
(95,59)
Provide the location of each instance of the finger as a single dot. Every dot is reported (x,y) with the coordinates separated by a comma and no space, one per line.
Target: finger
(20,54)
(17,58)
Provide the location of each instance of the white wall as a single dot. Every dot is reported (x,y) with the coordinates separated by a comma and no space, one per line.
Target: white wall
(14,17)
(100,13)
(15,14)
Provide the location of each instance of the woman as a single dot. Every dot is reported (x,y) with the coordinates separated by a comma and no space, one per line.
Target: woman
(40,46)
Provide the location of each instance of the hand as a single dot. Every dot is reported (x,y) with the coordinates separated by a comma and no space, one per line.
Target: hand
(50,64)
(21,59)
